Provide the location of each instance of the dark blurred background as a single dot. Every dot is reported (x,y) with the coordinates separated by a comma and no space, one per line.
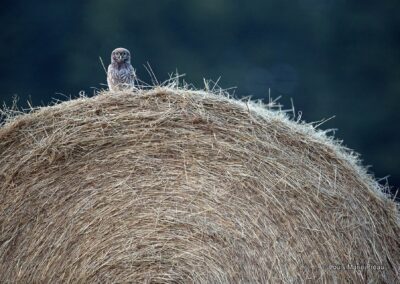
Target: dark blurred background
(332,57)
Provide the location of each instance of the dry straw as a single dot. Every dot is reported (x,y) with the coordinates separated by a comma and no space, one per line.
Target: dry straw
(175,185)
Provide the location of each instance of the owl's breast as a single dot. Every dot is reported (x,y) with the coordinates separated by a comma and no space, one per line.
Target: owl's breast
(120,74)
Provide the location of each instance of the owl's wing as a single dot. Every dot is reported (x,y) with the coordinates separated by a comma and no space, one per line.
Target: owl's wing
(109,69)
(110,81)
(132,72)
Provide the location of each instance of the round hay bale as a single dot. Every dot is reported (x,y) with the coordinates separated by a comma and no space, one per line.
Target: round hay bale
(174,185)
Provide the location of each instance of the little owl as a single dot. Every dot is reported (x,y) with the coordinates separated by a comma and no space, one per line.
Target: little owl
(120,74)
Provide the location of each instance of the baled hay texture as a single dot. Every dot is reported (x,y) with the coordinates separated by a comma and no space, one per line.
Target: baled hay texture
(173,185)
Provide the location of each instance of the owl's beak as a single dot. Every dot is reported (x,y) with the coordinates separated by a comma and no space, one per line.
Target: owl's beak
(119,57)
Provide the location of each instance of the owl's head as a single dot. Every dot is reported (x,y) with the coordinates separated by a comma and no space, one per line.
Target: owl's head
(120,55)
